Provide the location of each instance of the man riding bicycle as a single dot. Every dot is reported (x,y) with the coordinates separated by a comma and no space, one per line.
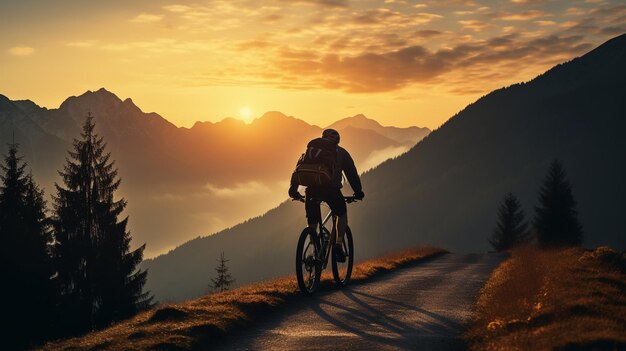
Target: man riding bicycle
(331,193)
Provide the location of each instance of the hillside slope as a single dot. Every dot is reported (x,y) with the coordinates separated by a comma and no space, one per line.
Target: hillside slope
(42,150)
(446,189)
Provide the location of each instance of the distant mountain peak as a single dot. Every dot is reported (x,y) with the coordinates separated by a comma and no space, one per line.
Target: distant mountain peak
(277,118)
(274,114)
(363,118)
(92,98)
(232,121)
(101,93)
(129,103)
(358,121)
(28,106)
(360,116)
(104,94)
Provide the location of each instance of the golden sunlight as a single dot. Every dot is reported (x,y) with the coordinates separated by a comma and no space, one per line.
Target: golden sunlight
(246,114)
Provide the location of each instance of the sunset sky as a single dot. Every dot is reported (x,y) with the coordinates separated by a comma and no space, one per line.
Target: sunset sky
(402,63)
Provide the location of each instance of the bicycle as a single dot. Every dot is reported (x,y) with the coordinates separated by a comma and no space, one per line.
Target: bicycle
(314,249)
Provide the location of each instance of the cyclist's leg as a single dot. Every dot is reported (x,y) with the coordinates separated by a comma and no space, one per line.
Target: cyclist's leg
(342,225)
(312,208)
(337,204)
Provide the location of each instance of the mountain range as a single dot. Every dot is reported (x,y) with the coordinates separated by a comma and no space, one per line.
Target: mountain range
(185,182)
(445,191)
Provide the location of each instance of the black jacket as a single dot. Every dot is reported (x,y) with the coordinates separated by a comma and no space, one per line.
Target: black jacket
(346,165)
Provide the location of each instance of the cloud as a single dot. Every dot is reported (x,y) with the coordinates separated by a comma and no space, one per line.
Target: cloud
(219,15)
(82,44)
(272,17)
(254,44)
(177,8)
(601,21)
(575,11)
(447,3)
(146,18)
(146,48)
(388,17)
(612,30)
(393,70)
(377,157)
(545,23)
(21,51)
(519,16)
(427,33)
(323,3)
(529,2)
(248,189)
(371,72)
(475,25)
(472,12)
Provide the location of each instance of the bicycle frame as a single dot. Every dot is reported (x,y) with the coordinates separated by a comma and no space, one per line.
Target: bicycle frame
(326,245)
(328,216)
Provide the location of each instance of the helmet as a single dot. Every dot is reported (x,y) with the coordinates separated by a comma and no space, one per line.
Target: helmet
(331,134)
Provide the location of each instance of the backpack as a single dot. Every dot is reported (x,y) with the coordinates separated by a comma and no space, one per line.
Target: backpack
(316,166)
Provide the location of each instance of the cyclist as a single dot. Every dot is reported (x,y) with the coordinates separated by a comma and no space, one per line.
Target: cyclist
(332,194)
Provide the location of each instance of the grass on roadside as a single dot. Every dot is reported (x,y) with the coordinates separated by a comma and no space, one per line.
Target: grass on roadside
(197,323)
(563,299)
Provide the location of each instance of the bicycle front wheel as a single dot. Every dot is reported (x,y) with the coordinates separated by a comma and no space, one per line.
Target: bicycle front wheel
(308,271)
(342,271)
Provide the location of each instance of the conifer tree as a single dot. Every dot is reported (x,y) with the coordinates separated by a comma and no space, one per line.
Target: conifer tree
(511,227)
(223,280)
(97,272)
(25,266)
(556,220)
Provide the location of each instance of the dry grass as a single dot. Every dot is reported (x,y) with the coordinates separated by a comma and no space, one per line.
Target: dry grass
(195,324)
(566,299)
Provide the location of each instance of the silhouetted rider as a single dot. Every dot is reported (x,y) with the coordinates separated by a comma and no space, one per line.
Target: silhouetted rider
(332,194)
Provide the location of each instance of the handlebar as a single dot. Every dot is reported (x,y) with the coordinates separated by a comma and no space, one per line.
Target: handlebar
(348,199)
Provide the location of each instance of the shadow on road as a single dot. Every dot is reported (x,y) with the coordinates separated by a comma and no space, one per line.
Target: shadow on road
(363,315)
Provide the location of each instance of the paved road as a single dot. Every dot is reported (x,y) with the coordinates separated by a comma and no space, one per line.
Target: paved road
(423,307)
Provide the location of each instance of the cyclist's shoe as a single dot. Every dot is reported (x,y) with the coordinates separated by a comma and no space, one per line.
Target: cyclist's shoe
(340,256)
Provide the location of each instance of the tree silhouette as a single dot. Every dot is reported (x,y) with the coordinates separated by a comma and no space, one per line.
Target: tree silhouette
(224,279)
(25,266)
(556,219)
(511,227)
(97,272)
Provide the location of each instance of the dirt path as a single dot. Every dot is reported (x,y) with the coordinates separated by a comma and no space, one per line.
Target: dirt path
(424,307)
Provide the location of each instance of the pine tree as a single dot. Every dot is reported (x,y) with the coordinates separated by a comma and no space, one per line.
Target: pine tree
(556,220)
(25,266)
(97,273)
(511,227)
(224,279)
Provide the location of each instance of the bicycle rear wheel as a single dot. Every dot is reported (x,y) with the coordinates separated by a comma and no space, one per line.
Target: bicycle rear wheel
(342,271)
(308,271)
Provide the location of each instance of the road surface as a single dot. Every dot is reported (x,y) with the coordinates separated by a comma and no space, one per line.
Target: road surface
(423,307)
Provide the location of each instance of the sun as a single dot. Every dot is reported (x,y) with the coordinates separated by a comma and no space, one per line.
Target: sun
(246,114)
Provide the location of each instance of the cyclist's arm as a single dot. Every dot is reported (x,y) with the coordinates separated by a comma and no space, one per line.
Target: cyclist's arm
(293,190)
(349,169)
